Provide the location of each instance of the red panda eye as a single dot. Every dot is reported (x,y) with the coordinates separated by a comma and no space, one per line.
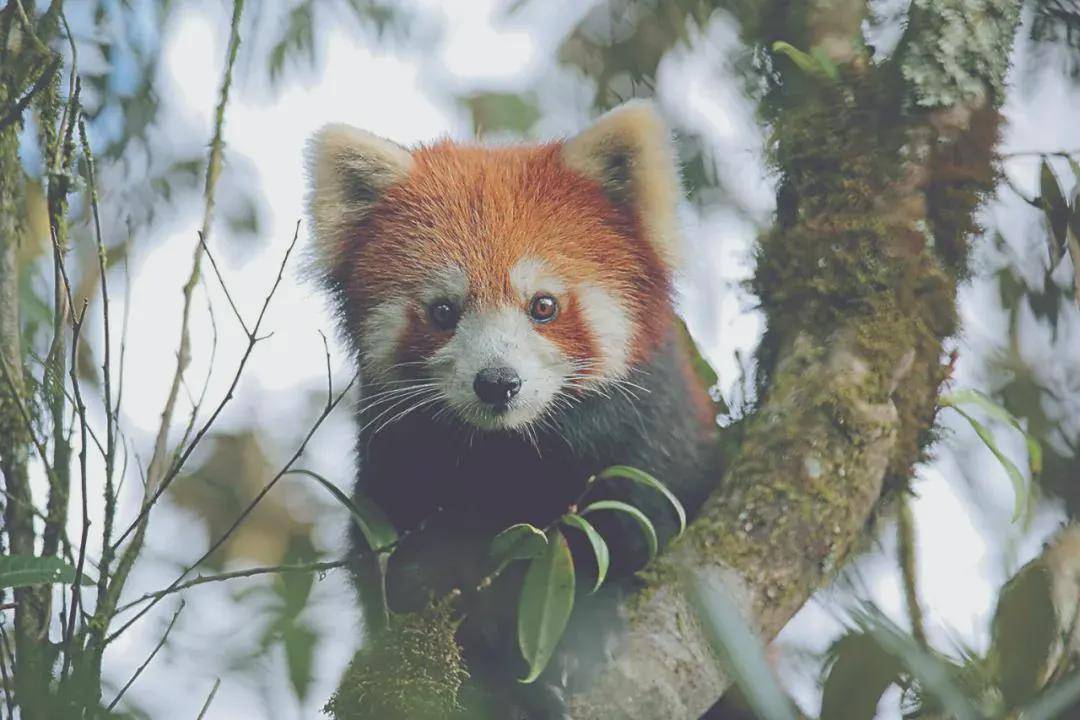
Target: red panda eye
(443,314)
(543,308)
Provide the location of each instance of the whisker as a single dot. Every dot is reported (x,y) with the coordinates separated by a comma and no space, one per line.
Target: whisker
(408,410)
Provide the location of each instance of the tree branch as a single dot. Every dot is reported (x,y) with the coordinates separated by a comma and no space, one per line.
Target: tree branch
(859,289)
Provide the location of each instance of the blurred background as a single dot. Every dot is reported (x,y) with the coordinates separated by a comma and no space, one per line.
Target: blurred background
(501,70)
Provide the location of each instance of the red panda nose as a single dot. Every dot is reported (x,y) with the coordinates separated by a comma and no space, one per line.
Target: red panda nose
(496,386)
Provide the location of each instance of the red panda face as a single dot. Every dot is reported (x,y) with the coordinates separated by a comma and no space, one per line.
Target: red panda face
(497,285)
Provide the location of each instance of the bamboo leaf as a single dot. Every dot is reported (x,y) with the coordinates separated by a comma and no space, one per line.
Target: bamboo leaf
(644,522)
(970,396)
(376,528)
(1056,209)
(518,542)
(647,480)
(860,673)
(25,570)
(1020,485)
(806,63)
(547,597)
(739,650)
(1023,633)
(599,546)
(935,675)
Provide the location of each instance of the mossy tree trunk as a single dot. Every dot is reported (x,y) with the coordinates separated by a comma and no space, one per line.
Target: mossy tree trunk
(32,603)
(882,168)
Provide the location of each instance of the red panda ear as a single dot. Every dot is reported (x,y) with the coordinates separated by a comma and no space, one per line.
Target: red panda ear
(629,151)
(348,170)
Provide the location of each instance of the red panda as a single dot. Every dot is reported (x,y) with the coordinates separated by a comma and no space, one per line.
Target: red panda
(512,317)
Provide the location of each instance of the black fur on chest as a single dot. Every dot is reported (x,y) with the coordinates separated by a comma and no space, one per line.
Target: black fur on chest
(462,486)
(489,480)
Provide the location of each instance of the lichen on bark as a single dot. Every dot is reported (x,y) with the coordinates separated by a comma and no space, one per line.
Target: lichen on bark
(961,52)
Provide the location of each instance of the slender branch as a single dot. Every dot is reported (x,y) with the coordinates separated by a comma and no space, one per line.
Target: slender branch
(253,339)
(246,511)
(321,566)
(905,531)
(209,699)
(80,409)
(149,658)
(156,479)
(197,403)
(106,368)
(156,471)
(1041,153)
(224,287)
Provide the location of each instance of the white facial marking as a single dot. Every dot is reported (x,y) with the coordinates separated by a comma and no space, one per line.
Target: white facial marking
(531,275)
(381,334)
(610,327)
(449,283)
(493,338)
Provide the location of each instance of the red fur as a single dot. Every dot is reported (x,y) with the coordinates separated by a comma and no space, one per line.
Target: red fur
(486,208)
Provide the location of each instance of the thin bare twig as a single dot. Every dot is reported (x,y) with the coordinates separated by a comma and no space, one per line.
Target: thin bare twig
(224,287)
(106,367)
(1042,153)
(209,699)
(331,404)
(150,657)
(253,340)
(321,566)
(124,326)
(197,403)
(329,374)
(156,479)
(80,409)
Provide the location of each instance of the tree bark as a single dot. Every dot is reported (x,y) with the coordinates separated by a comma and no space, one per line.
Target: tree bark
(882,171)
(32,603)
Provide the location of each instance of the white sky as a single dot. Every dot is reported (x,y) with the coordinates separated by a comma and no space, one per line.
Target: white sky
(410,99)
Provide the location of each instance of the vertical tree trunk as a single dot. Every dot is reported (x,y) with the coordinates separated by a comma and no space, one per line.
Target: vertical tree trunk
(883,167)
(31,614)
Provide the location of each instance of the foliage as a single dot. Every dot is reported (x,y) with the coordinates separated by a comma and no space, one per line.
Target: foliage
(24,570)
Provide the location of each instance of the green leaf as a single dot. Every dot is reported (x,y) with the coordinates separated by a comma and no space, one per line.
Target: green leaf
(825,63)
(970,396)
(1056,210)
(376,528)
(299,641)
(518,542)
(860,673)
(599,546)
(495,112)
(739,650)
(935,675)
(1023,633)
(24,570)
(644,478)
(702,368)
(797,56)
(1058,699)
(644,522)
(807,63)
(1019,483)
(547,597)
